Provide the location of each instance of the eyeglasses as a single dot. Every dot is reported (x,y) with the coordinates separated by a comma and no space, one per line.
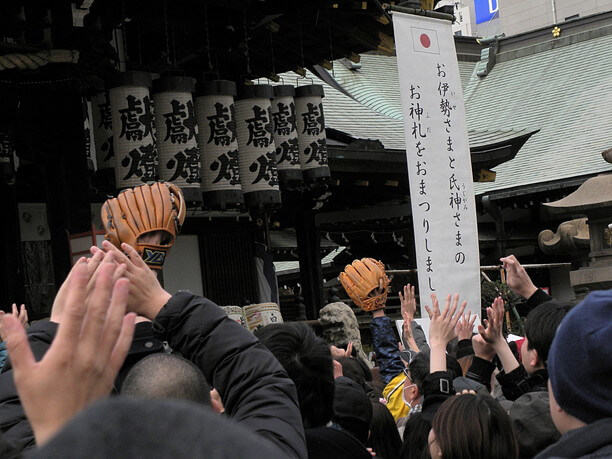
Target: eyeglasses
(407,374)
(408,355)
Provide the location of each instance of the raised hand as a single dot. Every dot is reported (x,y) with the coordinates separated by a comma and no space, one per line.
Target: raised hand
(482,349)
(465,326)
(491,333)
(517,278)
(442,329)
(407,335)
(81,364)
(92,264)
(492,329)
(442,326)
(21,314)
(337,369)
(408,301)
(147,296)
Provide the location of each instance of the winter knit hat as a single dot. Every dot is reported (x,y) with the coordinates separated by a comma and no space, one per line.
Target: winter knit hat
(579,363)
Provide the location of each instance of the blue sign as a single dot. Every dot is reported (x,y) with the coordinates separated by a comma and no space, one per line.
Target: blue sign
(485,10)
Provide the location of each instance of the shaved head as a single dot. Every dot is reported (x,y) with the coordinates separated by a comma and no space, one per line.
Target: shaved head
(167,376)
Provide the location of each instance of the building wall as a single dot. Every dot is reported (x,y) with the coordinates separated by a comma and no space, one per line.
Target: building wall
(518,16)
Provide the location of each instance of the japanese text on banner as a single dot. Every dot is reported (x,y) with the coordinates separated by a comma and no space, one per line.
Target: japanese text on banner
(438,158)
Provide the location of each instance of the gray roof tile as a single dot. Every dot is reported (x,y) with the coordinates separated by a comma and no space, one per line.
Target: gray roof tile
(564,92)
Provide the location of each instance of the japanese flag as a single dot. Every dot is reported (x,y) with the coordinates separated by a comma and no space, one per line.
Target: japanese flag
(425,40)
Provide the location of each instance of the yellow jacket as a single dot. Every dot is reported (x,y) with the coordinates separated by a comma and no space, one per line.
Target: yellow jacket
(394,393)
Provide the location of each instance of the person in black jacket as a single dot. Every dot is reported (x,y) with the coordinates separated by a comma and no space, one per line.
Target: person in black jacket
(525,384)
(307,359)
(256,392)
(254,388)
(438,384)
(580,380)
(14,425)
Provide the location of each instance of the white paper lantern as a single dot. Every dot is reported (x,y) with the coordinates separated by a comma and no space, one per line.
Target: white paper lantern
(311,132)
(90,146)
(103,131)
(218,144)
(7,154)
(133,130)
(286,137)
(257,152)
(176,127)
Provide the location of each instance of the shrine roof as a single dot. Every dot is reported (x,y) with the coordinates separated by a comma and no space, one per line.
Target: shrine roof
(563,88)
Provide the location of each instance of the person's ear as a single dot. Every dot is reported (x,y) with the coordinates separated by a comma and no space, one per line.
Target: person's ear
(534,358)
(413,394)
(216,406)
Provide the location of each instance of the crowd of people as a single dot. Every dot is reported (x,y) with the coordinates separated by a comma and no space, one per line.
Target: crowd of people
(123,368)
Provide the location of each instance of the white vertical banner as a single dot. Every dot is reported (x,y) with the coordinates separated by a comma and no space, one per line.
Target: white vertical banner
(438,156)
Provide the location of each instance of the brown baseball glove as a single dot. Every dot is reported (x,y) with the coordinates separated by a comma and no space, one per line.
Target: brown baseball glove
(361,279)
(147,217)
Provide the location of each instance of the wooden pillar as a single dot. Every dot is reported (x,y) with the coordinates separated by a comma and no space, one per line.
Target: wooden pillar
(50,133)
(11,272)
(309,251)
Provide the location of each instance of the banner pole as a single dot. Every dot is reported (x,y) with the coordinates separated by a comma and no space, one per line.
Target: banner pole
(419,12)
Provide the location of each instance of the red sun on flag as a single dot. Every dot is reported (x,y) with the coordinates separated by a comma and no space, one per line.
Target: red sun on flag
(425,40)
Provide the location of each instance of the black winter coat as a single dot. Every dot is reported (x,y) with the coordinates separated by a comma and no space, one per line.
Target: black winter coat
(255,389)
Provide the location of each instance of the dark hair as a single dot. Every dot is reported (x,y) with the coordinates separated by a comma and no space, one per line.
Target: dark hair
(474,426)
(414,444)
(167,376)
(367,373)
(541,326)
(419,368)
(352,370)
(384,438)
(308,362)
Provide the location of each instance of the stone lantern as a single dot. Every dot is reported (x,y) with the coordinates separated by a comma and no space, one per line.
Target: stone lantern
(594,199)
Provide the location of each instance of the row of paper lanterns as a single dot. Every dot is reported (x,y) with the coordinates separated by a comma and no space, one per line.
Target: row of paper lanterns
(231,147)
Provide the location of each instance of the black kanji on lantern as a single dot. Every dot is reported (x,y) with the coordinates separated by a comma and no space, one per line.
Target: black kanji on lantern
(313,119)
(180,125)
(147,118)
(317,151)
(87,134)
(107,146)
(106,119)
(185,164)
(142,162)
(227,167)
(6,144)
(284,119)
(136,118)
(222,125)
(131,128)
(265,166)
(288,151)
(260,128)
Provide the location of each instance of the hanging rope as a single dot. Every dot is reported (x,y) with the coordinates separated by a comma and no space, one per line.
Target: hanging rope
(331,46)
(301,38)
(272,52)
(32,61)
(166,32)
(208,47)
(246,44)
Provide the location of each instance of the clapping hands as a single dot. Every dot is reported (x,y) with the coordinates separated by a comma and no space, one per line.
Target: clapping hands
(147,296)
(81,364)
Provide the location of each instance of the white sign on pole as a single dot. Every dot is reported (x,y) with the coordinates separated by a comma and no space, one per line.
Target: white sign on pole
(439,166)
